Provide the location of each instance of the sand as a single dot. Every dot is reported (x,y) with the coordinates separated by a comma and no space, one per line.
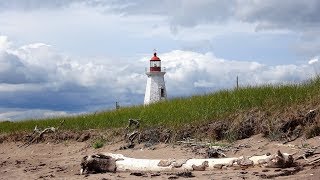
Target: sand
(62,160)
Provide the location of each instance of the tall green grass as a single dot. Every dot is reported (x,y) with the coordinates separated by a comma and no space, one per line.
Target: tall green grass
(179,111)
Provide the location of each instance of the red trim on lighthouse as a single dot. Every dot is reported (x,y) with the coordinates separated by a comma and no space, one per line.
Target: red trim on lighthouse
(155,57)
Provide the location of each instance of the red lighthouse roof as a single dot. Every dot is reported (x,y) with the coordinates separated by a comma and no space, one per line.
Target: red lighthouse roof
(155,57)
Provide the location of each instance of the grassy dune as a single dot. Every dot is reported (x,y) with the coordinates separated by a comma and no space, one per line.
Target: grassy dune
(177,112)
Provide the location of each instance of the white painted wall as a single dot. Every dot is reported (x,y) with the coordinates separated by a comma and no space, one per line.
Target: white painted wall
(155,82)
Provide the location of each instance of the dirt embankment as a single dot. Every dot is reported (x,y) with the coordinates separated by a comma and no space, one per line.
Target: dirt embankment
(285,125)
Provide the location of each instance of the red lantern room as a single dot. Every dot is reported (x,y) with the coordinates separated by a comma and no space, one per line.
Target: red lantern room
(155,63)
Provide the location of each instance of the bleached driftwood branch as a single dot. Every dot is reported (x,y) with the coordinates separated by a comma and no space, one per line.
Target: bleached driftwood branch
(133,125)
(108,162)
(37,134)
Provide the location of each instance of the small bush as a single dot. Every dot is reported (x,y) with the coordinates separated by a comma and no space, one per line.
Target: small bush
(99,143)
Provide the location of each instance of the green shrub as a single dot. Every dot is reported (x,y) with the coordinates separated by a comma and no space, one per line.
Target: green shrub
(98,143)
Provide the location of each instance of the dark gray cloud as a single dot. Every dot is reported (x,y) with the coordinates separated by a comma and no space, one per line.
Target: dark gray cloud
(294,16)
(192,13)
(27,5)
(12,70)
(271,14)
(284,14)
(178,12)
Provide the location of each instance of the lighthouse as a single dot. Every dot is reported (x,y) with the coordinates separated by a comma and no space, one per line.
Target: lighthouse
(156,88)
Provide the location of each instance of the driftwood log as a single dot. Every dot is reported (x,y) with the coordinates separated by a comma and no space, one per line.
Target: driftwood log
(108,162)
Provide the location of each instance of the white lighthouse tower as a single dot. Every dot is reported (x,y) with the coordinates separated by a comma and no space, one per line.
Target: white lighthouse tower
(156,88)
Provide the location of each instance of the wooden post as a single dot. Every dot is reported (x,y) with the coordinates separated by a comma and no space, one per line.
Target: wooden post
(237,82)
(117,105)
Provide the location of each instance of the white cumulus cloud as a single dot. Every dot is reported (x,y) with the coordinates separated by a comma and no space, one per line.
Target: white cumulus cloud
(314,60)
(36,78)
(4,43)
(188,72)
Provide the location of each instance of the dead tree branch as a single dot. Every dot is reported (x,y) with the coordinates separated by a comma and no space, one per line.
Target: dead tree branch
(132,133)
(38,134)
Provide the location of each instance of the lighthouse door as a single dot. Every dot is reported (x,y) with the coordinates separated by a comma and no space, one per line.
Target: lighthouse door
(161,92)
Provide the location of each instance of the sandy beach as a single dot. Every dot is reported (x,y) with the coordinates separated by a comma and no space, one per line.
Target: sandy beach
(49,160)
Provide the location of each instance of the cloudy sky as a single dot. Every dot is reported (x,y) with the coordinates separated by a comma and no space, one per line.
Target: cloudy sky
(61,57)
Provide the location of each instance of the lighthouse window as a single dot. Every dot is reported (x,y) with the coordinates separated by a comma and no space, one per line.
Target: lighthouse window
(162,92)
(155,64)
